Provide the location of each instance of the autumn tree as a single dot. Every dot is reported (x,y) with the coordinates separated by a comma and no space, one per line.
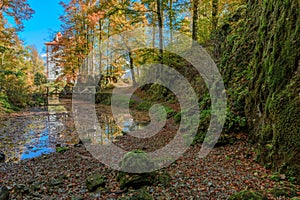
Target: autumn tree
(88,23)
(19,10)
(18,63)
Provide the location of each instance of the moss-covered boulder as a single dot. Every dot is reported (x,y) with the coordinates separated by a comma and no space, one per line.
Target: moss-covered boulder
(135,181)
(95,181)
(248,194)
(136,161)
(134,168)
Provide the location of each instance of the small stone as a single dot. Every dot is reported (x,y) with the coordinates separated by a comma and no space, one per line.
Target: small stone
(77,145)
(9,187)
(282,176)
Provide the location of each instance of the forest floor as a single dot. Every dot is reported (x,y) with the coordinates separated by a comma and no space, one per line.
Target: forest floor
(226,170)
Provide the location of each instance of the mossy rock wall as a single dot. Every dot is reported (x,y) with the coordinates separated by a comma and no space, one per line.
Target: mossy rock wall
(273,104)
(261,70)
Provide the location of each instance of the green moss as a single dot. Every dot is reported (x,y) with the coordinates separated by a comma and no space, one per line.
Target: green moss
(283,192)
(61,149)
(248,194)
(158,92)
(163,179)
(144,105)
(95,181)
(275,177)
(135,181)
(177,117)
(260,68)
(170,112)
(103,98)
(136,161)
(188,139)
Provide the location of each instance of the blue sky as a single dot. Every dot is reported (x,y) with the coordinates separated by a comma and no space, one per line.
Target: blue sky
(44,22)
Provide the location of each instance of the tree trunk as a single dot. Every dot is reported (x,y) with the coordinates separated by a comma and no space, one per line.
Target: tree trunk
(99,43)
(107,56)
(160,26)
(154,32)
(171,20)
(132,68)
(195,20)
(214,14)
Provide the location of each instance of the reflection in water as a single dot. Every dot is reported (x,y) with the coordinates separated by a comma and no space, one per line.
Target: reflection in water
(108,130)
(37,146)
(45,141)
(31,136)
(104,128)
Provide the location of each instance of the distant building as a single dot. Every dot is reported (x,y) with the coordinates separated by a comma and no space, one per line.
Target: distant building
(53,50)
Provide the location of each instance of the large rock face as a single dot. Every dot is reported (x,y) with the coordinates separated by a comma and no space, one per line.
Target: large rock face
(273,104)
(261,69)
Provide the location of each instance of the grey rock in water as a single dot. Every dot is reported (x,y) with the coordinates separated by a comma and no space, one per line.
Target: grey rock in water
(4,193)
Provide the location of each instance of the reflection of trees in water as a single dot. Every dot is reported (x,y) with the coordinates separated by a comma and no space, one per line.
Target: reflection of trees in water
(16,132)
(26,137)
(62,125)
(102,131)
(109,128)
(104,128)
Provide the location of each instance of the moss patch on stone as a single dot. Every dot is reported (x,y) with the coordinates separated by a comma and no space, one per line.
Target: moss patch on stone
(95,181)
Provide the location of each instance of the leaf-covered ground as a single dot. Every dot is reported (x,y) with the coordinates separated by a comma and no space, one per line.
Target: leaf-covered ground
(224,171)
